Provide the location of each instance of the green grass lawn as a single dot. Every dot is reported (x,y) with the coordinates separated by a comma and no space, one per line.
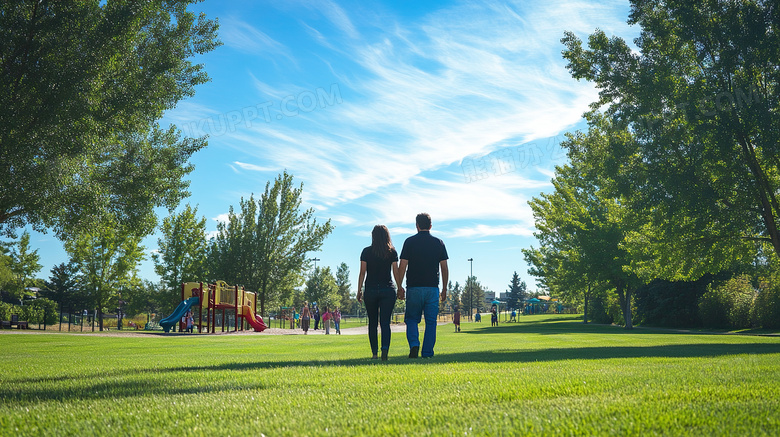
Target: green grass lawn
(548,375)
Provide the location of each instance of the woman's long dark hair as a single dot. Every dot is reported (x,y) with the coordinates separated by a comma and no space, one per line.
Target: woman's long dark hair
(381,244)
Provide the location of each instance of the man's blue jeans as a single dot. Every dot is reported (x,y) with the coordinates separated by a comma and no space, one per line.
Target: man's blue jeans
(422,301)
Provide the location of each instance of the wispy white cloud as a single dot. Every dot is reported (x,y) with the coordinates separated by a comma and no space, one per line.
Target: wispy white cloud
(491,230)
(244,37)
(497,199)
(342,219)
(430,94)
(222,218)
(332,12)
(254,167)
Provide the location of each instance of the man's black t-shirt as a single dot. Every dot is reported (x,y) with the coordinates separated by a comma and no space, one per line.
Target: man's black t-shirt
(378,271)
(423,252)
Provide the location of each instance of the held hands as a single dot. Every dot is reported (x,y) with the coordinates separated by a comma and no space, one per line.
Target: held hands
(401,294)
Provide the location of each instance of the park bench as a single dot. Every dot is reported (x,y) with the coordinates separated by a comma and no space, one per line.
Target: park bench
(19,324)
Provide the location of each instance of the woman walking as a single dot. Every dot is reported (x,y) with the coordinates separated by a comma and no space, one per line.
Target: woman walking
(379,267)
(305,317)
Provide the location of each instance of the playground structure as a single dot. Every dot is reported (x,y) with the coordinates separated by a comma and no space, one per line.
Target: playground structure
(208,299)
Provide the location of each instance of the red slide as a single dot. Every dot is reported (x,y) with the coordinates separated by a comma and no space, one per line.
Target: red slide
(252,319)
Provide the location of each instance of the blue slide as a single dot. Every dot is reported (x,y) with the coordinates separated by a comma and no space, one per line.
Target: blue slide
(178,313)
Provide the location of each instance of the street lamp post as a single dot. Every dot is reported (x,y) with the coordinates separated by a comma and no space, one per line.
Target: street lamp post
(315,262)
(471,282)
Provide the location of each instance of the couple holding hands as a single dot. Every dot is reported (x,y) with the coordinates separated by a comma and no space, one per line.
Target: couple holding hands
(421,259)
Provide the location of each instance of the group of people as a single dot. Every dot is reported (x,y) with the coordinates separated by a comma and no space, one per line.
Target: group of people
(422,258)
(307,314)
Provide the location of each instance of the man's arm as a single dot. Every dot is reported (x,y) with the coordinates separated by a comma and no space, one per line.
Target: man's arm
(445,277)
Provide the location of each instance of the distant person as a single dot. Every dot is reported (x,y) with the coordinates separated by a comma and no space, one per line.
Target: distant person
(493,316)
(189,321)
(297,317)
(477,317)
(305,318)
(514,316)
(378,269)
(422,257)
(337,320)
(326,316)
(316,314)
(456,319)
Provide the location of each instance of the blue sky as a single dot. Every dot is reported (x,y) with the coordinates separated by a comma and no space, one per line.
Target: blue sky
(383,109)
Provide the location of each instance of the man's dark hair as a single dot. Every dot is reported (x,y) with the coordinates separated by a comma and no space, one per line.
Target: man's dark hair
(424,221)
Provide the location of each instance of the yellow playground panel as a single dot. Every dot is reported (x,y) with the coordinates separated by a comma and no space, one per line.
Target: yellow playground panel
(190,289)
(250,299)
(224,294)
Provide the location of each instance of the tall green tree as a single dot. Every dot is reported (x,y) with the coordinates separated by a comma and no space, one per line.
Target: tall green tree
(107,262)
(454,293)
(697,95)
(321,287)
(147,297)
(581,229)
(264,246)
(344,286)
(24,265)
(473,297)
(182,251)
(63,287)
(516,292)
(6,276)
(84,84)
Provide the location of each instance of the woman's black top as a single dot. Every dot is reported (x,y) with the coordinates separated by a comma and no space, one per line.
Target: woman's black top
(378,271)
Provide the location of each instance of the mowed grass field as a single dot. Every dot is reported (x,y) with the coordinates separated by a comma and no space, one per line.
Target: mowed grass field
(546,375)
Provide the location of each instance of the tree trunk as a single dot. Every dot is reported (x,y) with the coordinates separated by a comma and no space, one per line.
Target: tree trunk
(627,309)
(766,193)
(624,300)
(262,295)
(587,295)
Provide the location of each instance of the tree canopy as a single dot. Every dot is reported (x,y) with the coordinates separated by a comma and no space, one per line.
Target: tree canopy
(677,175)
(107,261)
(84,84)
(182,251)
(264,246)
(698,98)
(581,229)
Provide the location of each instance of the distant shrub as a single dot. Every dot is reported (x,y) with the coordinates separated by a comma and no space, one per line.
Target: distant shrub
(766,307)
(713,309)
(672,304)
(598,310)
(42,311)
(6,309)
(728,305)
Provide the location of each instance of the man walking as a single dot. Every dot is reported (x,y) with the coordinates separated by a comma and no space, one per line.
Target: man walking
(422,256)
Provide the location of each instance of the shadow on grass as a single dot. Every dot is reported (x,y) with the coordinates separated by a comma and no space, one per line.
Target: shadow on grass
(551,325)
(192,379)
(573,324)
(129,383)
